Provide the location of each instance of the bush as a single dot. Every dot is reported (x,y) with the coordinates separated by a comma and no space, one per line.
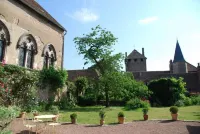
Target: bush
(42,106)
(179,103)
(7,114)
(54,110)
(187,101)
(121,114)
(167,91)
(102,114)
(145,110)
(195,100)
(173,109)
(73,116)
(136,103)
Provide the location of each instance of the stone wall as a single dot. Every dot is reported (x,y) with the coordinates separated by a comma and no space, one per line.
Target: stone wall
(191,79)
(136,66)
(89,73)
(180,67)
(19,20)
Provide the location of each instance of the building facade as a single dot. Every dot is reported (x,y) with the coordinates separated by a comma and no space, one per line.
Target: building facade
(29,36)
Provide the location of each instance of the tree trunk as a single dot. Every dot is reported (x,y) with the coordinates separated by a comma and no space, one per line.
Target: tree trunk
(107,97)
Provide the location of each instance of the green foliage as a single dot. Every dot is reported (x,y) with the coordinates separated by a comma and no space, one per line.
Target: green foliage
(7,114)
(73,116)
(96,47)
(195,100)
(81,84)
(173,109)
(121,86)
(136,103)
(145,110)
(54,110)
(102,114)
(121,114)
(167,91)
(53,78)
(179,103)
(20,86)
(187,101)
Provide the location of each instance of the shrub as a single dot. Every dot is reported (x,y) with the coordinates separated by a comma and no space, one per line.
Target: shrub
(167,91)
(195,100)
(102,114)
(145,110)
(173,109)
(54,78)
(187,101)
(136,103)
(7,114)
(179,103)
(73,116)
(54,110)
(120,114)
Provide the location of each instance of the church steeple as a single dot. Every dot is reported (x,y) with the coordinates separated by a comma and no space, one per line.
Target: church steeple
(178,56)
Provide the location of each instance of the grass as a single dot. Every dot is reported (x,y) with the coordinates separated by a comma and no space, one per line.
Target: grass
(90,115)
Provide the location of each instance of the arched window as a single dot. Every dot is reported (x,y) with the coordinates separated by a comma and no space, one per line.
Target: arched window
(4,40)
(49,55)
(27,49)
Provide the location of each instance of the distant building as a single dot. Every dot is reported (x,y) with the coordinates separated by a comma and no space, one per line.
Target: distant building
(29,35)
(135,62)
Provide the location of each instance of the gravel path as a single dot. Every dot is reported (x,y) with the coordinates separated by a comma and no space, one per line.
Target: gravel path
(137,127)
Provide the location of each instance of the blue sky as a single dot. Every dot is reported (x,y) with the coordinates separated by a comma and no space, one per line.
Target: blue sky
(152,24)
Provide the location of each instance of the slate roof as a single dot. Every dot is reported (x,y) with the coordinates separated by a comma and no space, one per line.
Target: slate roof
(134,55)
(32,4)
(178,56)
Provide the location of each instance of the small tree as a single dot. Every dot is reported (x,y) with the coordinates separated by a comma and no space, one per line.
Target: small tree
(96,47)
(81,84)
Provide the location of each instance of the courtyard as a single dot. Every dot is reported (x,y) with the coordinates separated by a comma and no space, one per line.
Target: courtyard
(135,127)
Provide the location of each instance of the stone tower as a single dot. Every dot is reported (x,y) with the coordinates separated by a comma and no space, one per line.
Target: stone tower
(135,61)
(179,63)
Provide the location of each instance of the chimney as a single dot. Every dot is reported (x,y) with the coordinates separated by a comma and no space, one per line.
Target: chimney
(143,51)
(125,54)
(198,67)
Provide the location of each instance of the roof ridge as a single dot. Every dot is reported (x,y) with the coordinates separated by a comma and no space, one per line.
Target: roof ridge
(41,11)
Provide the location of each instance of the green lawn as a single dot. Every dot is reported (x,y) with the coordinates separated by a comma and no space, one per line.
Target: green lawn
(90,115)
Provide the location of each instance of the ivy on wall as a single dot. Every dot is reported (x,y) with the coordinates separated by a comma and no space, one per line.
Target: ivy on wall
(53,78)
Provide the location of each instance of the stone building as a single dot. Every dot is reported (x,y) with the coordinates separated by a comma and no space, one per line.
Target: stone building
(179,67)
(29,35)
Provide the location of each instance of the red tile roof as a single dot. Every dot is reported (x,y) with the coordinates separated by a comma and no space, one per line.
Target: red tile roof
(32,4)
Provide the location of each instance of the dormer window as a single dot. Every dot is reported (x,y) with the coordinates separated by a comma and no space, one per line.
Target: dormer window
(135,60)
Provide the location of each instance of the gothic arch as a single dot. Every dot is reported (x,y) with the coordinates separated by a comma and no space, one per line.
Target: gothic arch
(24,39)
(27,47)
(49,54)
(4,31)
(46,49)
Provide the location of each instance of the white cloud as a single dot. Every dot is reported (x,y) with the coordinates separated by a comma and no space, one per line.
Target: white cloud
(84,15)
(148,20)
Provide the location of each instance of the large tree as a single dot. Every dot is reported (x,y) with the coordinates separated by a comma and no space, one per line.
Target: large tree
(96,47)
